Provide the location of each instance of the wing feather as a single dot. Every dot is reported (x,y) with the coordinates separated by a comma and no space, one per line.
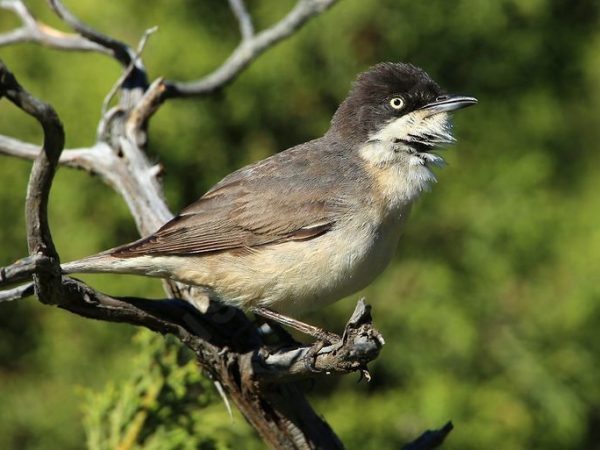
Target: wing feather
(248,209)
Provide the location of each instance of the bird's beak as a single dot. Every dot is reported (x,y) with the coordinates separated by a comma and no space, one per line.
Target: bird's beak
(446,103)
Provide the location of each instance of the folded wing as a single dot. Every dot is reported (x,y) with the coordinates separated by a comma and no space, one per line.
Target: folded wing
(253,207)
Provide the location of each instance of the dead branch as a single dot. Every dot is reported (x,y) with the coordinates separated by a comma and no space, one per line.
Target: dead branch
(130,67)
(42,173)
(24,269)
(33,30)
(80,158)
(8,295)
(243,17)
(39,238)
(20,149)
(249,48)
(280,414)
(119,50)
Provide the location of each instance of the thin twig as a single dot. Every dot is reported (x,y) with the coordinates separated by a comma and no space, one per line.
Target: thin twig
(8,295)
(120,51)
(243,17)
(249,49)
(94,159)
(223,395)
(15,147)
(128,70)
(19,8)
(36,31)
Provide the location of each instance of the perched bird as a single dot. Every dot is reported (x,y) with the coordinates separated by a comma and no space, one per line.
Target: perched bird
(314,223)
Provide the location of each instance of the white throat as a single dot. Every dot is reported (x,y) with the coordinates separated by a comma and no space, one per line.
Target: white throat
(403,172)
(401,176)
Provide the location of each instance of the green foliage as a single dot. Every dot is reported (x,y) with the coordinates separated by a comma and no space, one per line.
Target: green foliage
(491,309)
(161,404)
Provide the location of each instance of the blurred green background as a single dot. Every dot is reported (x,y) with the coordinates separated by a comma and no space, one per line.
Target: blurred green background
(491,309)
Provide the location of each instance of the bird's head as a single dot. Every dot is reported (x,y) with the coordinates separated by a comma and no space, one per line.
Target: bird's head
(399,113)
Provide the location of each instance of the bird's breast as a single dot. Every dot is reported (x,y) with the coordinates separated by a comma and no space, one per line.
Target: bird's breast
(340,262)
(375,242)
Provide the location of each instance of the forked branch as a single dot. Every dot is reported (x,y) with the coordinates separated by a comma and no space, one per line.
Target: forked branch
(214,337)
(33,30)
(119,50)
(251,46)
(243,17)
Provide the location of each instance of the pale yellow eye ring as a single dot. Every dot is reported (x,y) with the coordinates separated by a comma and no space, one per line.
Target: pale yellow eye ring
(397,103)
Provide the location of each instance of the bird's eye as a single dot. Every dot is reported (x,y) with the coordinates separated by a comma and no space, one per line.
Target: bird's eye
(397,103)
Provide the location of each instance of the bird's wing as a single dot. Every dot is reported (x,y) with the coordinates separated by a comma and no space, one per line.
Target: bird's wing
(246,211)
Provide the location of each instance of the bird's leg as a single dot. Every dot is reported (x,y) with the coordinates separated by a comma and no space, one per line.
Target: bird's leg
(272,328)
(305,328)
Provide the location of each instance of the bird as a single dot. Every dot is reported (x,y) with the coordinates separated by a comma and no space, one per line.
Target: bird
(317,222)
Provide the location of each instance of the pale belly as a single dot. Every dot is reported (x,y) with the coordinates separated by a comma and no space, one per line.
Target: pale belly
(297,276)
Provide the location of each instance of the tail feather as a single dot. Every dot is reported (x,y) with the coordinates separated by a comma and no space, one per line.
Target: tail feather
(100,263)
(105,262)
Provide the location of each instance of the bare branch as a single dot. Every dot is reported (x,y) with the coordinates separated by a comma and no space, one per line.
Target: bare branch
(79,158)
(249,49)
(15,147)
(35,31)
(14,37)
(360,344)
(26,290)
(133,182)
(39,238)
(24,269)
(19,8)
(135,179)
(42,173)
(119,50)
(128,70)
(243,17)
(135,81)
(149,104)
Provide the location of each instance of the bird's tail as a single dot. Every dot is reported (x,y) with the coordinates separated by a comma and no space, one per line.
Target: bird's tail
(105,263)
(91,264)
